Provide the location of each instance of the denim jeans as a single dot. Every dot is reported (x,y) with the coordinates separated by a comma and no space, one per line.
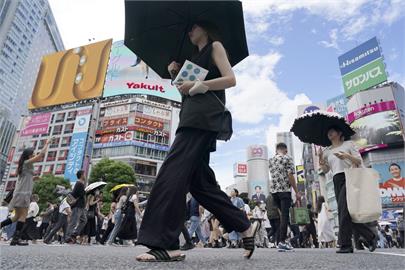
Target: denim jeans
(196,227)
(117,226)
(234,236)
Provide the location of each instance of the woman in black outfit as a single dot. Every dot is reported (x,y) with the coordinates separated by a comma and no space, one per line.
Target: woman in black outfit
(186,167)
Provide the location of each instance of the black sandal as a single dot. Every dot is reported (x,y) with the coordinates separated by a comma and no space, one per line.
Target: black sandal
(249,242)
(161,255)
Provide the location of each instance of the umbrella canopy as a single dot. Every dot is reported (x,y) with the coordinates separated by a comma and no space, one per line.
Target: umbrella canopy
(95,185)
(313,127)
(117,187)
(157,31)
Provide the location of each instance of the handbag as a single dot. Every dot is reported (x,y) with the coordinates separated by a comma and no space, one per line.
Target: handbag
(299,216)
(226,131)
(9,196)
(70,199)
(363,194)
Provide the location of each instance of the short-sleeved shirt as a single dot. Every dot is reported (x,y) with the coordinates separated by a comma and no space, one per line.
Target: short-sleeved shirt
(280,167)
(238,202)
(337,165)
(63,207)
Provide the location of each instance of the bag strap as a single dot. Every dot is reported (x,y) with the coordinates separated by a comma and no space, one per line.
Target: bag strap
(220,101)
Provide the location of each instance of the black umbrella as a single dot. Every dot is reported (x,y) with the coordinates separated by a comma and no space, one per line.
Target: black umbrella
(313,127)
(157,31)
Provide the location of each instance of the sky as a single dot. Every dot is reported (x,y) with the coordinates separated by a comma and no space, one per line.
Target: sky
(293,46)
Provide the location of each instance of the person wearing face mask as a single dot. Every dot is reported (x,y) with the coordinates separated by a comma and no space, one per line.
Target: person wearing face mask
(336,158)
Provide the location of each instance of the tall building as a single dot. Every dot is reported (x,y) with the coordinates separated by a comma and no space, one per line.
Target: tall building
(287,138)
(137,131)
(27,32)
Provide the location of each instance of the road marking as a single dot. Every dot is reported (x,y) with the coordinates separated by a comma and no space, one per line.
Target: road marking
(392,254)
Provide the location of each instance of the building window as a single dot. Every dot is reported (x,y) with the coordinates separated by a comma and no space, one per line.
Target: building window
(60,169)
(51,156)
(65,141)
(57,130)
(60,117)
(71,116)
(37,170)
(48,169)
(63,154)
(69,128)
(55,143)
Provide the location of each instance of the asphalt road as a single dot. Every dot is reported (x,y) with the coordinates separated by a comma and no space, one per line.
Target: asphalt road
(102,257)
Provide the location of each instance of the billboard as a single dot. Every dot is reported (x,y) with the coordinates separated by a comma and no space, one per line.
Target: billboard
(78,144)
(364,77)
(36,124)
(239,169)
(127,74)
(392,182)
(359,56)
(132,143)
(258,168)
(300,173)
(71,75)
(307,108)
(377,126)
(338,105)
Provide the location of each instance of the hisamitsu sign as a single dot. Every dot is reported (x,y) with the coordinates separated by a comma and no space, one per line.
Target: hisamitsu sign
(359,56)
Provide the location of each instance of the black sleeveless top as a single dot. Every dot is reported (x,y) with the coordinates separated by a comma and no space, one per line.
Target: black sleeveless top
(203,111)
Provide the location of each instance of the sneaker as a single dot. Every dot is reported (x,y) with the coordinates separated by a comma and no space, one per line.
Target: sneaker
(284,247)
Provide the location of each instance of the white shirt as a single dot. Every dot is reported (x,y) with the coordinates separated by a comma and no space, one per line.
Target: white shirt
(33,210)
(63,207)
(247,209)
(337,165)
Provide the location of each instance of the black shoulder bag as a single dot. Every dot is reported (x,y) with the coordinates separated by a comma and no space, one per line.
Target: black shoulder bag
(226,126)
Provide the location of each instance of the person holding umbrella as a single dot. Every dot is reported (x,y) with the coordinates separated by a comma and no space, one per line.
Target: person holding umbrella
(186,167)
(336,158)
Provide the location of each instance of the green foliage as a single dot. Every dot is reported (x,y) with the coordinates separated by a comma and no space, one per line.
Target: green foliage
(44,187)
(114,173)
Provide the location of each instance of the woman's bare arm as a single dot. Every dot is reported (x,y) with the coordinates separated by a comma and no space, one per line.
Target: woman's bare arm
(221,61)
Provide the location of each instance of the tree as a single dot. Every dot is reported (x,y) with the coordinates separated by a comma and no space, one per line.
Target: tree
(114,173)
(45,186)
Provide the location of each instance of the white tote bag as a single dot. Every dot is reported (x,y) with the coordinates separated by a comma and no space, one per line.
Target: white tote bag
(363,194)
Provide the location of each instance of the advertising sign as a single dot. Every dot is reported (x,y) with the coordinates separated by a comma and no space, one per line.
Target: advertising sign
(149,123)
(36,124)
(127,136)
(117,110)
(365,77)
(377,126)
(239,169)
(338,105)
(300,173)
(132,143)
(115,122)
(392,182)
(71,75)
(127,74)
(359,56)
(156,112)
(307,108)
(78,144)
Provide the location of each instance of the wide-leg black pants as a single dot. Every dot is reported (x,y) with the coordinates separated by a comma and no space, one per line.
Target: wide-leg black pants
(345,221)
(186,169)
